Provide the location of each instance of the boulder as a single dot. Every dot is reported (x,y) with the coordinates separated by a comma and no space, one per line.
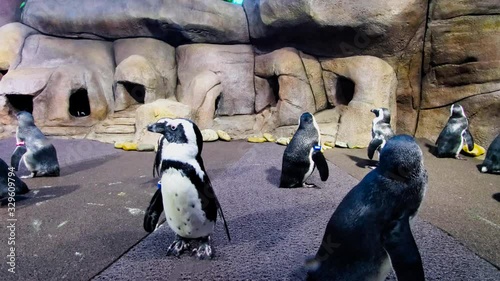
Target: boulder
(234,66)
(264,94)
(315,77)
(336,27)
(209,135)
(157,63)
(149,113)
(176,22)
(362,83)
(12,38)
(237,126)
(65,82)
(295,93)
(328,123)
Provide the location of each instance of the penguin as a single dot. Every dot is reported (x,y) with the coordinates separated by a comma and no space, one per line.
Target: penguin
(303,154)
(40,155)
(10,184)
(491,163)
(381,130)
(454,134)
(186,195)
(370,229)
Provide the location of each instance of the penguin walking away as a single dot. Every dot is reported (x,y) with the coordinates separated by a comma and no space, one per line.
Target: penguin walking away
(454,134)
(491,163)
(303,154)
(39,155)
(370,229)
(9,182)
(186,195)
(381,130)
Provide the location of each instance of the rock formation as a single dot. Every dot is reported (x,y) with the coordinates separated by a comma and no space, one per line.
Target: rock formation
(250,69)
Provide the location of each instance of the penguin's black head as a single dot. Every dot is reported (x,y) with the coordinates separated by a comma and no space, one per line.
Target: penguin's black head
(306,119)
(25,118)
(457,110)
(401,158)
(180,131)
(382,114)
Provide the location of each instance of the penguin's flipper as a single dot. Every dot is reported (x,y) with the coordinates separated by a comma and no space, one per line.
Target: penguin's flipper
(320,161)
(374,144)
(153,212)
(157,162)
(17,155)
(403,251)
(469,140)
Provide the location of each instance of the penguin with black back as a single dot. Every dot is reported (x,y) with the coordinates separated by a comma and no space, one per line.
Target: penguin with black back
(370,229)
(454,134)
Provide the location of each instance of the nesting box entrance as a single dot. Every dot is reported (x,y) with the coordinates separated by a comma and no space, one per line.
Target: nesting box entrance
(79,105)
(21,102)
(136,91)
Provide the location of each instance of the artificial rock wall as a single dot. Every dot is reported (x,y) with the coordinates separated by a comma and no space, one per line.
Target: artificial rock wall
(253,68)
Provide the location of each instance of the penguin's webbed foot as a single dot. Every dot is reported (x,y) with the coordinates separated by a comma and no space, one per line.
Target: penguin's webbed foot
(310,185)
(460,157)
(204,251)
(178,247)
(32,175)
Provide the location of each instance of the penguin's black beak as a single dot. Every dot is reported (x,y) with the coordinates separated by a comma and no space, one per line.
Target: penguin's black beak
(372,110)
(156,128)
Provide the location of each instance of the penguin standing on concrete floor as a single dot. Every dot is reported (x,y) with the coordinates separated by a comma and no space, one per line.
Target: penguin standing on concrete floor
(491,163)
(41,156)
(370,229)
(454,134)
(9,182)
(381,130)
(187,196)
(303,154)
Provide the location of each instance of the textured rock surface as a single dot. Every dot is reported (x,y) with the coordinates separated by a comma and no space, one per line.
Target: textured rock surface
(374,86)
(52,70)
(12,38)
(336,27)
(9,11)
(211,21)
(462,64)
(146,62)
(234,66)
(149,113)
(295,93)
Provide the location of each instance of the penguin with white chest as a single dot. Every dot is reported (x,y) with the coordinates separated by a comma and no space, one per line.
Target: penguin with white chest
(370,229)
(381,130)
(187,196)
(303,154)
(34,148)
(491,163)
(456,131)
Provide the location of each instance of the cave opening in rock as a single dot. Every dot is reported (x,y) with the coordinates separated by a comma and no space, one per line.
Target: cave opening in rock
(344,90)
(217,103)
(136,91)
(21,102)
(79,105)
(2,73)
(275,87)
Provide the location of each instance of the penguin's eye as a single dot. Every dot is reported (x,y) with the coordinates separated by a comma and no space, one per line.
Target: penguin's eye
(173,127)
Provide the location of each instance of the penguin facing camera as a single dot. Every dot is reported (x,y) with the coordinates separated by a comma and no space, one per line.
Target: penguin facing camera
(491,163)
(370,229)
(303,154)
(10,184)
(381,130)
(186,195)
(454,134)
(33,148)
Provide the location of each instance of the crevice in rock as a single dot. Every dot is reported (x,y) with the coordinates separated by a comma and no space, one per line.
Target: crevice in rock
(79,105)
(275,88)
(217,103)
(136,91)
(21,102)
(460,100)
(468,15)
(344,90)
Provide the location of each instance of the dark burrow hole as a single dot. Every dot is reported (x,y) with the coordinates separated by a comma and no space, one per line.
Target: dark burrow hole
(344,90)
(136,91)
(275,87)
(21,102)
(2,73)
(79,105)
(217,103)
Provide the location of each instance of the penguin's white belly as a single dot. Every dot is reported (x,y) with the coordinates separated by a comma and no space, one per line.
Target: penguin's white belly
(311,166)
(182,206)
